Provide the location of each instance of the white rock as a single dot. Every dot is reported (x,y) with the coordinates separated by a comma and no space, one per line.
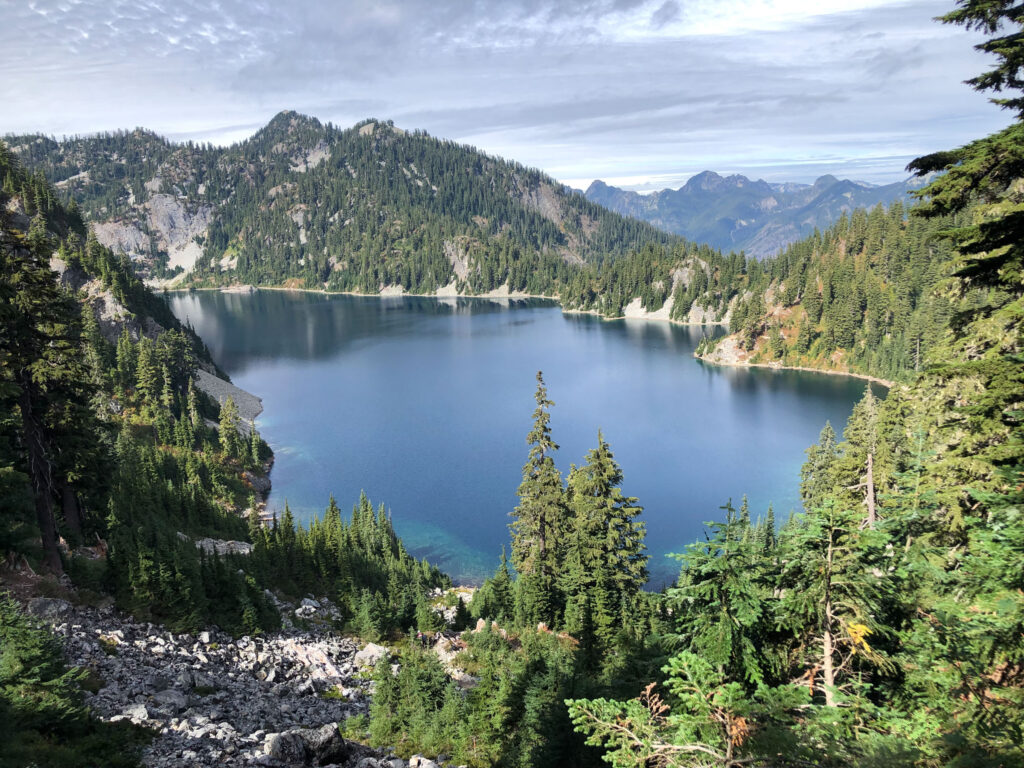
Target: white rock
(370,655)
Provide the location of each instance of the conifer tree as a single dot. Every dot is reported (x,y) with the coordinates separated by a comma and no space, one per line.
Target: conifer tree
(816,472)
(538,530)
(834,590)
(256,447)
(126,360)
(720,607)
(229,437)
(605,564)
(974,391)
(495,600)
(769,536)
(44,374)
(147,376)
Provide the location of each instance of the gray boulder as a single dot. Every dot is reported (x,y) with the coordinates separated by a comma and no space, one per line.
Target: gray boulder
(137,713)
(48,607)
(370,655)
(259,483)
(325,744)
(223,547)
(308,746)
(288,747)
(171,699)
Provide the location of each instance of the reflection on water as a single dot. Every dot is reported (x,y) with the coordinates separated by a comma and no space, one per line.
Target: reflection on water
(311,326)
(425,404)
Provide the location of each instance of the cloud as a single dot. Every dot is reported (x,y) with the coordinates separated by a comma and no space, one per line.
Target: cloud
(666,14)
(637,89)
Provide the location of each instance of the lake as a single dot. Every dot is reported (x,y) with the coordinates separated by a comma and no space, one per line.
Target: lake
(425,404)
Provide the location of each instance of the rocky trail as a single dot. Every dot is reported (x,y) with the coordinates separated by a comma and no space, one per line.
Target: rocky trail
(212,700)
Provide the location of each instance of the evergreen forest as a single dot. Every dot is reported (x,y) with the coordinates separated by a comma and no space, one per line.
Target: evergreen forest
(883,625)
(859,296)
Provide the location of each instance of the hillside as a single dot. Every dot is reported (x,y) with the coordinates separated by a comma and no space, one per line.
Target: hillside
(859,297)
(309,205)
(734,213)
(131,478)
(143,620)
(273,210)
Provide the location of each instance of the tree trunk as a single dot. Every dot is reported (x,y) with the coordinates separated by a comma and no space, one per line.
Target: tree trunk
(72,511)
(42,482)
(828,672)
(827,668)
(870,492)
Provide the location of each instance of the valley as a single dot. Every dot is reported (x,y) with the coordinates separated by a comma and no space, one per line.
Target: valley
(553,486)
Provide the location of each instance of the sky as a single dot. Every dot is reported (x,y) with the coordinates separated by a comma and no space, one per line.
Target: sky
(640,94)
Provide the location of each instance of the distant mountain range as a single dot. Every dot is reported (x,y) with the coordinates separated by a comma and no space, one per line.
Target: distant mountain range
(734,213)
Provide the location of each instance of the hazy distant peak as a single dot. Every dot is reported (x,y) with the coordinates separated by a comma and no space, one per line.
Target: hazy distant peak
(788,187)
(707,180)
(827,180)
(735,213)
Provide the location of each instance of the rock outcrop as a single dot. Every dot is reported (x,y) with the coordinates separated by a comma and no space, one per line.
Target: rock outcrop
(211,699)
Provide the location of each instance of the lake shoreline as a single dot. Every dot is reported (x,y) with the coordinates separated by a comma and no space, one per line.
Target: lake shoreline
(806,369)
(246,289)
(490,296)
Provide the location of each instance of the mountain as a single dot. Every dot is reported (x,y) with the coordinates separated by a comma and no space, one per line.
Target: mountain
(733,213)
(307,204)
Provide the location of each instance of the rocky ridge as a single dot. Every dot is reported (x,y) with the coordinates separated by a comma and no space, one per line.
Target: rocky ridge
(734,213)
(210,699)
(303,195)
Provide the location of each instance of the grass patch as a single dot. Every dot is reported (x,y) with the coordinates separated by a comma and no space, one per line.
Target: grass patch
(355,728)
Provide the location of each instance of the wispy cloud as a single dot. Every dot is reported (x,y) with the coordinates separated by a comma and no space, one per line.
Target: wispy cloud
(646,90)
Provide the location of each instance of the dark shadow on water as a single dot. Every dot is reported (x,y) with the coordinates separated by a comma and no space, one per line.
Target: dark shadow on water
(298,325)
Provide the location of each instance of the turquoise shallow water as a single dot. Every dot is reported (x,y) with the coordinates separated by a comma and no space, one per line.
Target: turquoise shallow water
(425,405)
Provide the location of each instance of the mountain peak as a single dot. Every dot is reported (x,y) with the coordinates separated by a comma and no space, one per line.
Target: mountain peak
(287,121)
(733,212)
(705,180)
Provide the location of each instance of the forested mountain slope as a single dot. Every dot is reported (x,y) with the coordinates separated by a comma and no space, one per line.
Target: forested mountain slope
(857,297)
(310,205)
(120,474)
(373,208)
(734,213)
(860,297)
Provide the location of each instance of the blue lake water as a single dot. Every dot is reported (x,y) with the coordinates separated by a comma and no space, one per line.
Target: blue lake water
(425,404)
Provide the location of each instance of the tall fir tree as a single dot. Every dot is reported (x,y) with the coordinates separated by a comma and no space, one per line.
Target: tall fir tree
(538,531)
